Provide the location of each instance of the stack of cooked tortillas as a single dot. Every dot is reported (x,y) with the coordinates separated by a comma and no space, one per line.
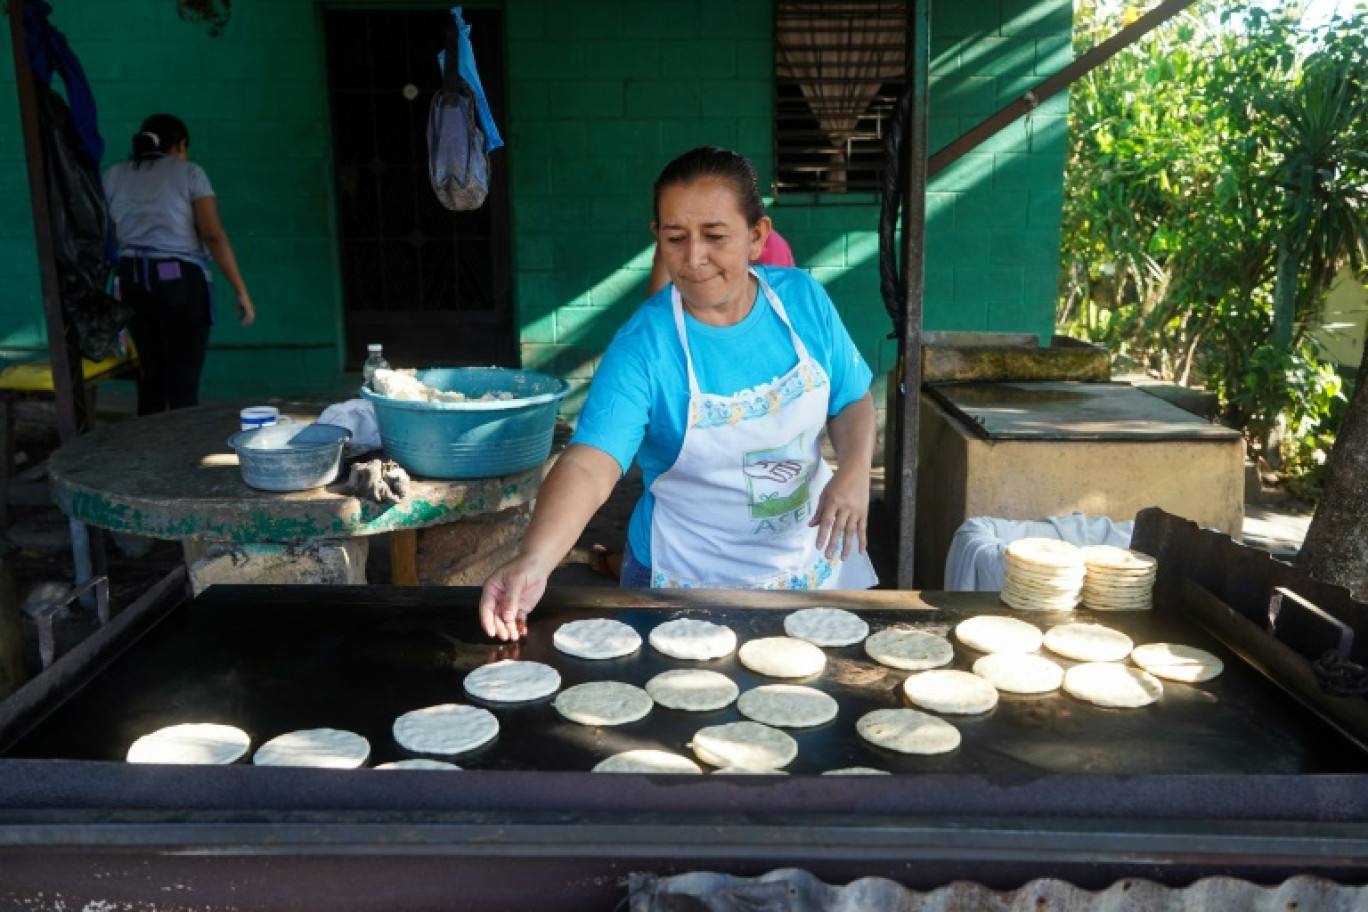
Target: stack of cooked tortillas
(1042,574)
(1118,579)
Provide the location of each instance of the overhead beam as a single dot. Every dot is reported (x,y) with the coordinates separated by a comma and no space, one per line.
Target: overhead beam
(1081,66)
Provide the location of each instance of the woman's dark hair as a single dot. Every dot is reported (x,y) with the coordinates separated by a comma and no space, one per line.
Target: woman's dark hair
(158,134)
(723,164)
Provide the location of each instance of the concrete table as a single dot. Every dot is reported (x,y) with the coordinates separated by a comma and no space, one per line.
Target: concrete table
(173,476)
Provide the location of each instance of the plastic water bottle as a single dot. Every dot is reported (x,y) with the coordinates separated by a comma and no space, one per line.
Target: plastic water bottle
(374,362)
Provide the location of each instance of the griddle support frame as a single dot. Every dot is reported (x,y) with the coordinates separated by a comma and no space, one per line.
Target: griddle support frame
(44,616)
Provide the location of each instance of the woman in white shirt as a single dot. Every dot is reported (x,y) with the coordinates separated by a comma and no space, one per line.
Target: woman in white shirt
(166,218)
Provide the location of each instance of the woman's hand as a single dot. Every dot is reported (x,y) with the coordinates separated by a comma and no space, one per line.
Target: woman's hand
(509,596)
(246,312)
(843,511)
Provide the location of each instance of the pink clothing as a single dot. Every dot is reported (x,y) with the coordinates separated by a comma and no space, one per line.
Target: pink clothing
(776,251)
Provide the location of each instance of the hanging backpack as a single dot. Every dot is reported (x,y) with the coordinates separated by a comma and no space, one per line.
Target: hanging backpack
(458,160)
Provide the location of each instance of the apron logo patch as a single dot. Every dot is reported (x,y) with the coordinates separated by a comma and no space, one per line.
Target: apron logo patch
(777,480)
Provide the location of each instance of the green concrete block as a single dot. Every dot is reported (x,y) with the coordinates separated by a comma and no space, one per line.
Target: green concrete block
(955,20)
(108,61)
(524,21)
(1018,247)
(584,20)
(585,327)
(1002,57)
(628,137)
(989,284)
(974,169)
(1015,137)
(1045,209)
(1026,171)
(941,132)
(755,58)
(965,96)
(985,207)
(535,295)
(585,175)
(566,361)
(713,60)
(735,97)
(1012,88)
(945,57)
(940,207)
(862,248)
(621,59)
(1037,18)
(621,293)
(550,58)
(667,20)
(679,136)
(1049,132)
(960,315)
(529,99)
(838,219)
(530,175)
(939,281)
(593,255)
(957,247)
(600,99)
(1040,290)
(755,135)
(534,251)
(553,139)
(722,16)
(1053,54)
(628,214)
(652,97)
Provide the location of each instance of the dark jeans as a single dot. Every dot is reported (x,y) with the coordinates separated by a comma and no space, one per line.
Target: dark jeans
(634,574)
(170,327)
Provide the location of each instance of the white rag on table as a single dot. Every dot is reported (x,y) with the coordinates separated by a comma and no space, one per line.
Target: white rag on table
(357,416)
(978,552)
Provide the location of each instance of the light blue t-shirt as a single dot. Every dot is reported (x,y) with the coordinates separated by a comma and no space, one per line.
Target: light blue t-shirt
(153,207)
(639,401)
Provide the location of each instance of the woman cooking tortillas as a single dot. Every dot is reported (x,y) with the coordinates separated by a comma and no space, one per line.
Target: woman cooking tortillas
(719,386)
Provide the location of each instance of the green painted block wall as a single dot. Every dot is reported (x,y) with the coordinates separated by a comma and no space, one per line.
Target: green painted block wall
(601,93)
(601,99)
(255,102)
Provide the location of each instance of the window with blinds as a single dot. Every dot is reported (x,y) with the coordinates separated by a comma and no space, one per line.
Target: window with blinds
(839,66)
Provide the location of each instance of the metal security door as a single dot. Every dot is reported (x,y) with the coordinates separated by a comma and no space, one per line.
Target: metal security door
(431,285)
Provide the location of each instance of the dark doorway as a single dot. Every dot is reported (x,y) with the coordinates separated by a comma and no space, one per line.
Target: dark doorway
(431,285)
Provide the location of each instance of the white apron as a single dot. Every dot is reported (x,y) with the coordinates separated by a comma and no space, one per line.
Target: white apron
(733,510)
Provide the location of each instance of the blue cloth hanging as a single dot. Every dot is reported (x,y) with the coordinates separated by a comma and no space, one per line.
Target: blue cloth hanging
(465,66)
(48,52)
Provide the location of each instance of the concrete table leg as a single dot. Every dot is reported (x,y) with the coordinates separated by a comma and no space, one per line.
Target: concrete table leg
(328,563)
(465,552)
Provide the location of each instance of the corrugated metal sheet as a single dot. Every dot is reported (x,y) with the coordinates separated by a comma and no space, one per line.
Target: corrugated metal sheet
(792,890)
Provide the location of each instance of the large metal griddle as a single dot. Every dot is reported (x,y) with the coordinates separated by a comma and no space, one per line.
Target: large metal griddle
(274,659)
(81,832)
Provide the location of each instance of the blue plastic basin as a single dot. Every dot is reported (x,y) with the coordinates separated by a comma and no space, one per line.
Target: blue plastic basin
(472,439)
(290,457)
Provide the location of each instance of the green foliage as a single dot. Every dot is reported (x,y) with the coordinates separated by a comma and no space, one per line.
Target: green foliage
(1218,178)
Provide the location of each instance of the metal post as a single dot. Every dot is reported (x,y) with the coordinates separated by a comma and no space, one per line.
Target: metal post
(64,358)
(914,256)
